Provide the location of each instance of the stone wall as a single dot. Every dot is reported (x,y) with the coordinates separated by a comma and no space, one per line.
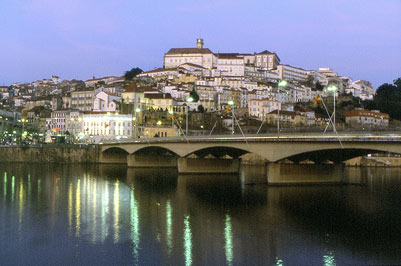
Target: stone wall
(50,153)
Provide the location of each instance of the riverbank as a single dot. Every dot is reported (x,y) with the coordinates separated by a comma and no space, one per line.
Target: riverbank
(50,154)
(378,161)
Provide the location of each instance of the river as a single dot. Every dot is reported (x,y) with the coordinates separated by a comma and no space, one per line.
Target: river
(55,214)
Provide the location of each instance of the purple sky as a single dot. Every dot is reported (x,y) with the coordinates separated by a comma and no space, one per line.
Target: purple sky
(84,38)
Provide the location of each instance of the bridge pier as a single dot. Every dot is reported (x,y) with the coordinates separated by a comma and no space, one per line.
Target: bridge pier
(208,166)
(142,160)
(295,174)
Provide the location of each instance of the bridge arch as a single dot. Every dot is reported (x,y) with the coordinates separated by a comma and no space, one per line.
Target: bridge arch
(155,150)
(218,152)
(114,155)
(335,155)
(114,149)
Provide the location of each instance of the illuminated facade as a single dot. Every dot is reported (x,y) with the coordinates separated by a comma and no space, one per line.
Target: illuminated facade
(107,125)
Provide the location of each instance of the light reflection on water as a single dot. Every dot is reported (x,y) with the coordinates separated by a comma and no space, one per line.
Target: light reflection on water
(187,241)
(229,240)
(114,215)
(134,226)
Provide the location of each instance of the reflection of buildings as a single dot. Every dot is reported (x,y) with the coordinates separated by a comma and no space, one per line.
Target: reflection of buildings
(186,219)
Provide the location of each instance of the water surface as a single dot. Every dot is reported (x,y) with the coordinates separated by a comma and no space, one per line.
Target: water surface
(113,215)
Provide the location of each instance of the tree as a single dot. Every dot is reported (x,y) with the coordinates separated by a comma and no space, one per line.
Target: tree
(194,95)
(388,99)
(201,108)
(318,86)
(129,75)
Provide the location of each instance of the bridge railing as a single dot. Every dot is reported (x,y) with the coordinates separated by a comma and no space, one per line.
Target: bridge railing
(385,137)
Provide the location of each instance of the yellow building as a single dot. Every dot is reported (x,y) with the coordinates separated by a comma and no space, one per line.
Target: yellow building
(157,131)
(159,101)
(288,118)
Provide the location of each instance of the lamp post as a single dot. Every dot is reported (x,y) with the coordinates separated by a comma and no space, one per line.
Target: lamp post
(231,103)
(189,100)
(72,128)
(333,89)
(23,127)
(171,113)
(137,110)
(281,84)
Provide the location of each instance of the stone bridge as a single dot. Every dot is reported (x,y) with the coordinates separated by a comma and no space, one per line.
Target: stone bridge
(296,148)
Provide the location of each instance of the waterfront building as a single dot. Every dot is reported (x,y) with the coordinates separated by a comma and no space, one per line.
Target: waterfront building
(73,123)
(366,118)
(107,126)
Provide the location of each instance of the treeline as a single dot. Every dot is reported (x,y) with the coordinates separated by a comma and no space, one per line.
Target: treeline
(387,99)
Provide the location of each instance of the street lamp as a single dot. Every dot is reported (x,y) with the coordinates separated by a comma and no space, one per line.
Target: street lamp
(189,100)
(23,128)
(137,110)
(333,89)
(171,113)
(282,84)
(231,103)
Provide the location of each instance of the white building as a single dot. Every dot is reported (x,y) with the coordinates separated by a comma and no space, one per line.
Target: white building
(199,56)
(98,126)
(366,118)
(260,107)
(73,123)
(265,60)
(231,64)
(106,102)
(361,89)
(288,72)
(161,73)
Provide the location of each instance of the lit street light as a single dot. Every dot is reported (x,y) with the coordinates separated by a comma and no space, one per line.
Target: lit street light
(333,89)
(171,113)
(231,103)
(189,100)
(137,110)
(281,84)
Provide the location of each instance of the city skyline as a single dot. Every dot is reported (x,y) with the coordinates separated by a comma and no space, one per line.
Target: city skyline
(82,39)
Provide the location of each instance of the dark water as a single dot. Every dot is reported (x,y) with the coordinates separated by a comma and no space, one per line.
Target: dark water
(105,215)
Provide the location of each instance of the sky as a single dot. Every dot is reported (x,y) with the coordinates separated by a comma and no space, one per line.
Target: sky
(80,39)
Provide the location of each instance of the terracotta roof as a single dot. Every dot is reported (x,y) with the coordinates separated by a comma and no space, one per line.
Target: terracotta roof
(265,52)
(133,88)
(366,113)
(158,96)
(229,56)
(268,52)
(189,51)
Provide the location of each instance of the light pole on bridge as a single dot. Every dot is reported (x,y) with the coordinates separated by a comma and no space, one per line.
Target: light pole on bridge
(189,100)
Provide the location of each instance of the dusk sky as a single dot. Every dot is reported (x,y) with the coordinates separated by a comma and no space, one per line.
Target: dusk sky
(85,38)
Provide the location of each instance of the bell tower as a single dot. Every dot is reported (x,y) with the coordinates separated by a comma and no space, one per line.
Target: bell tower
(199,43)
